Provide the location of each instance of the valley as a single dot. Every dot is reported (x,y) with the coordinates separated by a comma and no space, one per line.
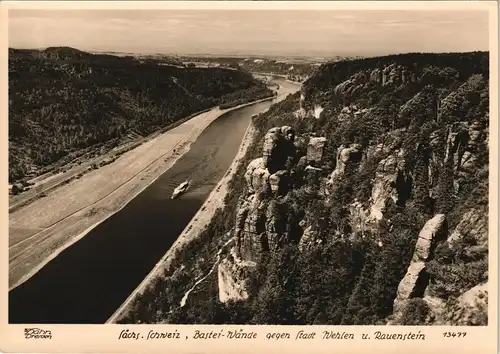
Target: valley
(358,185)
(76,214)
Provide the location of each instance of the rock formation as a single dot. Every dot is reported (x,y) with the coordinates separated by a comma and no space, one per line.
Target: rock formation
(234,277)
(345,155)
(409,150)
(434,231)
(473,224)
(301,113)
(472,231)
(359,217)
(278,146)
(471,308)
(416,279)
(275,223)
(315,150)
(348,112)
(279,182)
(252,239)
(458,139)
(391,181)
(258,224)
(257,176)
(306,235)
(392,74)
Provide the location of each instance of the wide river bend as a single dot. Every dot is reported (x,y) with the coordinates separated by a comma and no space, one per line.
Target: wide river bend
(89,280)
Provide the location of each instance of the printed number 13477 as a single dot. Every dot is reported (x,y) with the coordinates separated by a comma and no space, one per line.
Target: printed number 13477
(454,334)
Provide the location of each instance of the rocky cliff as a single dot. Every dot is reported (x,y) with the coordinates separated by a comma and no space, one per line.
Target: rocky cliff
(394,161)
(362,200)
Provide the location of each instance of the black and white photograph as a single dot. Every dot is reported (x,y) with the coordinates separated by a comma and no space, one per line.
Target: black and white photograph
(249,167)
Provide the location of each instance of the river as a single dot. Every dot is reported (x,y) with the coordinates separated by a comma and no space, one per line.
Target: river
(89,280)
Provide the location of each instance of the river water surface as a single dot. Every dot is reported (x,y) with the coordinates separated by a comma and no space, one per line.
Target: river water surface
(89,280)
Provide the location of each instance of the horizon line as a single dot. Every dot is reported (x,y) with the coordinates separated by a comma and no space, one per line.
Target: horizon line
(243,54)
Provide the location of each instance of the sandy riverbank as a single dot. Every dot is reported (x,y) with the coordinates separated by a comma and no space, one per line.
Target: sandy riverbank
(46,183)
(41,230)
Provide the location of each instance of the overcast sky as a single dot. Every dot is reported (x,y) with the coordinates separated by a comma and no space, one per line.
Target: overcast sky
(260,32)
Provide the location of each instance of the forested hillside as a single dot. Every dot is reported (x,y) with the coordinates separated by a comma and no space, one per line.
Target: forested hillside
(62,101)
(363,200)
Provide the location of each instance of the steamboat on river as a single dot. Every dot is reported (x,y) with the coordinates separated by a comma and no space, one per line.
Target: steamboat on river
(181,189)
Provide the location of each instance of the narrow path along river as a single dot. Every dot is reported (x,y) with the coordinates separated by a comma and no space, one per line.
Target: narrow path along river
(89,280)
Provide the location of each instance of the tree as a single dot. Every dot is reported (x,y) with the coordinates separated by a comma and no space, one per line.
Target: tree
(275,301)
(415,313)
(445,198)
(391,267)
(359,309)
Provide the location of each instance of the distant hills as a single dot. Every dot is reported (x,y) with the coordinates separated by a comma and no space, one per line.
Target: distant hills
(63,100)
